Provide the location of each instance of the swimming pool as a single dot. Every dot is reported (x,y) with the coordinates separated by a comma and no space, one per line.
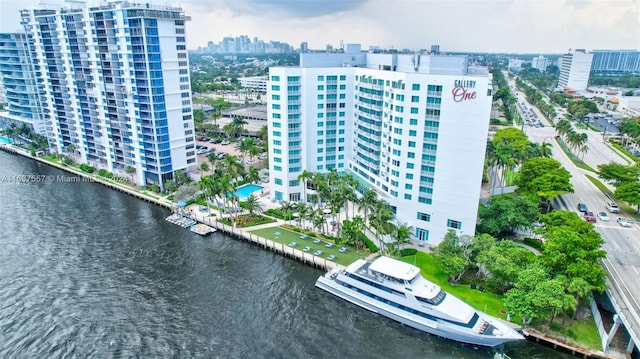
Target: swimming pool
(5,140)
(245,191)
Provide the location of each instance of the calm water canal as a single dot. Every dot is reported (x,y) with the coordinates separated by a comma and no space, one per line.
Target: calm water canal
(90,272)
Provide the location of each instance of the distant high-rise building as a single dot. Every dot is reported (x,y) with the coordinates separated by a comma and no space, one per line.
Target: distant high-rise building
(304,47)
(615,62)
(115,85)
(228,45)
(539,63)
(329,48)
(515,64)
(19,84)
(435,49)
(411,127)
(575,67)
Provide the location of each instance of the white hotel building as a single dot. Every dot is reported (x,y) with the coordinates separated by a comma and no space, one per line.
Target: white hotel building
(114,85)
(412,127)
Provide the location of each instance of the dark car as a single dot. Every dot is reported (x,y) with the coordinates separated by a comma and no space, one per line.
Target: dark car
(582,207)
(589,216)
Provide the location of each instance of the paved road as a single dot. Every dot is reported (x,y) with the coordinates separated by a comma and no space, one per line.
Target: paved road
(622,244)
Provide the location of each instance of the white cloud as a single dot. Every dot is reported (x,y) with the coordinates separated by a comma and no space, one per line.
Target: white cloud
(529,26)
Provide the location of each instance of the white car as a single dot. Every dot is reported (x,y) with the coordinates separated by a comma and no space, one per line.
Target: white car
(624,222)
(613,207)
(603,216)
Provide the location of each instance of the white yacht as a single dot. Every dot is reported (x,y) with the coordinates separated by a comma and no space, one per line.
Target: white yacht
(397,290)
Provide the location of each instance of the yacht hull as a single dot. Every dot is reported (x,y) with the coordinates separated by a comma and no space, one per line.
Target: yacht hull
(439,328)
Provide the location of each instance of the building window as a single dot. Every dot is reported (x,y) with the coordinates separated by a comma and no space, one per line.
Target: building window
(411,154)
(294,183)
(275,87)
(412,143)
(415,98)
(409,176)
(277,181)
(407,196)
(415,87)
(275,78)
(343,77)
(408,186)
(320,78)
(424,217)
(414,110)
(454,224)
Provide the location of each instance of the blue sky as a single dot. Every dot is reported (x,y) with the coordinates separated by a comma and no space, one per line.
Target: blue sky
(525,26)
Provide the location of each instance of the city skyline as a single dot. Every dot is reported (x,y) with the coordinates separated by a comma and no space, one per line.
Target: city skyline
(533,26)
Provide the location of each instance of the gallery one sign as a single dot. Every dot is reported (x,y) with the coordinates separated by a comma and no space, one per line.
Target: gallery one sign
(462,90)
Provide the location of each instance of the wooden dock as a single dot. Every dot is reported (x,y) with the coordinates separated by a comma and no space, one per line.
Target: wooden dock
(538,337)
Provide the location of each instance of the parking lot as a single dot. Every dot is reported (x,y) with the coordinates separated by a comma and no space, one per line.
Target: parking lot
(222,148)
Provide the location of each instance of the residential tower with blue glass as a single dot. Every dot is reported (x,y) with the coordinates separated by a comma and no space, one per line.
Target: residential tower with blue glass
(413,127)
(115,86)
(18,79)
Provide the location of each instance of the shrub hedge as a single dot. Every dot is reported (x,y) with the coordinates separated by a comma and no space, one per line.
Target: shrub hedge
(405,252)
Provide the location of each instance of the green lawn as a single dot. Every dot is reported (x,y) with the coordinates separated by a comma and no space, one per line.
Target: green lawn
(576,161)
(484,301)
(287,236)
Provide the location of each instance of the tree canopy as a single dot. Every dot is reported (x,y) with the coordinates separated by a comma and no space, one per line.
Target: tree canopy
(505,213)
(544,178)
(617,174)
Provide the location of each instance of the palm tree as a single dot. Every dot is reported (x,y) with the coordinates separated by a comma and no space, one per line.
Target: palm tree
(366,203)
(252,205)
(348,233)
(245,146)
(11,131)
(402,234)
(287,209)
(358,227)
(580,289)
(204,167)
(303,177)
(253,152)
(303,211)
(212,157)
(232,166)
(206,185)
(253,175)
(237,126)
(130,170)
(317,219)
(381,217)
(505,160)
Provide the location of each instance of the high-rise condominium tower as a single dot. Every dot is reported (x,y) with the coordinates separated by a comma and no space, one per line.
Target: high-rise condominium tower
(114,82)
(19,82)
(411,127)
